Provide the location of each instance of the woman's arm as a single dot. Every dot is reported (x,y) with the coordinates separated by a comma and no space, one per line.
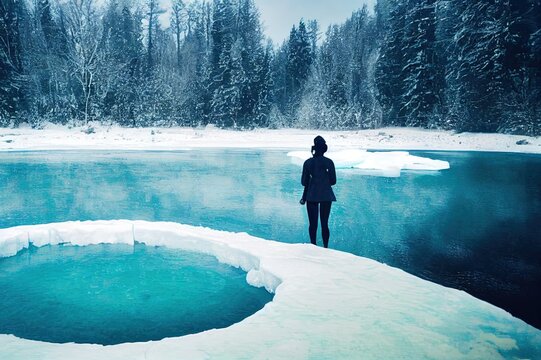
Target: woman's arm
(332,173)
(305,178)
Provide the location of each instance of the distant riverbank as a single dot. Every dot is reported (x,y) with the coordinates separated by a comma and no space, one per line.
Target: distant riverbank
(99,137)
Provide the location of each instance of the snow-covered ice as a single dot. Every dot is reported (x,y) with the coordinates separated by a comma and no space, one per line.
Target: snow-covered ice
(385,163)
(327,304)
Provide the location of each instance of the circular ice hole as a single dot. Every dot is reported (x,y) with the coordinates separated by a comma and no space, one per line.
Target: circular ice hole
(111,294)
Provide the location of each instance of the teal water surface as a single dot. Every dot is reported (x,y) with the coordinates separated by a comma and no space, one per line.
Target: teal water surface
(111,294)
(474,227)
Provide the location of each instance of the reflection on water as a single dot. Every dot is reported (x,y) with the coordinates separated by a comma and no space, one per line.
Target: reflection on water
(473,227)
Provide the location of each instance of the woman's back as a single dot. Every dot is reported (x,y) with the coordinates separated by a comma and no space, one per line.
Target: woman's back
(319,175)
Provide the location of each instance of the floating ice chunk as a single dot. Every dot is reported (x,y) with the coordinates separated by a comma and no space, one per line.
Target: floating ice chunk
(382,163)
(347,158)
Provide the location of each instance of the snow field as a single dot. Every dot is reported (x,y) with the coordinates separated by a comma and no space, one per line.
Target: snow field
(56,137)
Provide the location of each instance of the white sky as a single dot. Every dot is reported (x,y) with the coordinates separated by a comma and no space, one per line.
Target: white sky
(279,16)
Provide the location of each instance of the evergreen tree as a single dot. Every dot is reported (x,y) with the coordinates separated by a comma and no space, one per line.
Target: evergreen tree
(124,52)
(11,66)
(477,76)
(522,110)
(252,59)
(48,25)
(422,85)
(52,89)
(299,62)
(279,81)
(153,11)
(389,75)
(265,87)
(363,110)
(195,105)
(49,50)
(225,98)
(342,76)
(178,19)
(334,65)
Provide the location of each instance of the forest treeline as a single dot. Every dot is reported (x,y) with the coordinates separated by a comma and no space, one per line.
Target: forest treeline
(451,64)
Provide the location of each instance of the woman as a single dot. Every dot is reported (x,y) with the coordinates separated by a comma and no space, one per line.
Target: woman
(318,175)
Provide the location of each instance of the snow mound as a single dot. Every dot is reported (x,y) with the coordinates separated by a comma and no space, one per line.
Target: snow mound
(327,304)
(385,163)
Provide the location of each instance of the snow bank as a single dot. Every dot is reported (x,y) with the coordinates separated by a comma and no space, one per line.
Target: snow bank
(54,137)
(388,163)
(327,304)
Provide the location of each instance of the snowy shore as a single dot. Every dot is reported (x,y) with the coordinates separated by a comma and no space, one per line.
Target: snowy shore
(54,137)
(328,304)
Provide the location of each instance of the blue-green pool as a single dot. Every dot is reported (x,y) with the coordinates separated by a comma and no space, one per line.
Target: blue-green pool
(473,227)
(111,294)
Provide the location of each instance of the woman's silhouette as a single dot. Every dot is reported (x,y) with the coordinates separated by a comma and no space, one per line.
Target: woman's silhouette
(318,175)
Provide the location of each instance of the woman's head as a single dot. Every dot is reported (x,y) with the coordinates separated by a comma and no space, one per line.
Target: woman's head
(319,147)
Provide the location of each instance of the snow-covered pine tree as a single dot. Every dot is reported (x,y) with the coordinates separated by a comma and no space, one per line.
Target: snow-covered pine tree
(477,77)
(48,85)
(445,36)
(312,27)
(265,85)
(332,65)
(132,53)
(279,115)
(522,110)
(48,49)
(338,92)
(122,54)
(363,109)
(382,10)
(249,37)
(422,85)
(224,101)
(153,11)
(178,25)
(11,65)
(534,64)
(298,67)
(195,103)
(313,112)
(279,88)
(390,64)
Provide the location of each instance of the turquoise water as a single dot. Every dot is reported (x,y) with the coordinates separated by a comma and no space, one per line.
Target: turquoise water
(110,294)
(473,227)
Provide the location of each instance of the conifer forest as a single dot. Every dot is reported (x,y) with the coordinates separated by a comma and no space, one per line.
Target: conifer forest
(449,64)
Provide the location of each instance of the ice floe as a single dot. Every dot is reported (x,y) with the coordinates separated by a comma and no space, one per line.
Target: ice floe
(380,163)
(327,305)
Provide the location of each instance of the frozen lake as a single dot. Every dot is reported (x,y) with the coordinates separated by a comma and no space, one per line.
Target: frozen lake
(473,227)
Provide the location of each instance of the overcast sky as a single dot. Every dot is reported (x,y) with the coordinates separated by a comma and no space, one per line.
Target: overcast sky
(278,16)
